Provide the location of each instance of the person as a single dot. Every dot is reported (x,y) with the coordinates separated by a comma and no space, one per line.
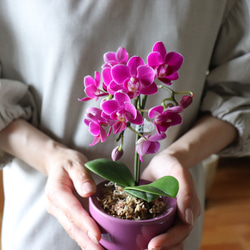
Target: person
(47,47)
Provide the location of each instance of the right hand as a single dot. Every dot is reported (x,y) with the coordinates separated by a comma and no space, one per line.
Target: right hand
(68,186)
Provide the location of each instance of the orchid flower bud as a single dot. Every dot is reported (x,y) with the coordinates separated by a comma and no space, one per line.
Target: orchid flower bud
(117,153)
(186,101)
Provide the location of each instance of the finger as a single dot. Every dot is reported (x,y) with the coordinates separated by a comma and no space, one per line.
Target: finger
(173,239)
(83,183)
(83,240)
(179,246)
(188,202)
(60,196)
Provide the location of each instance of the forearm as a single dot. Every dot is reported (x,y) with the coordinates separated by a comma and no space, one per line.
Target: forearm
(208,136)
(27,143)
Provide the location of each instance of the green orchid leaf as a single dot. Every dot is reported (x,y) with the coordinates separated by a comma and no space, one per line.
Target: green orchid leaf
(142,195)
(165,186)
(168,184)
(117,172)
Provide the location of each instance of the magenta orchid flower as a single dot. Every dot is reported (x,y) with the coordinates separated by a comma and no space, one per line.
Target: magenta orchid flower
(113,58)
(109,84)
(165,64)
(150,145)
(122,111)
(92,87)
(164,119)
(135,77)
(96,124)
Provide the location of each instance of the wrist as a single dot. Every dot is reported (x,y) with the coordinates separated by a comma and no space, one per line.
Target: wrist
(183,153)
(51,156)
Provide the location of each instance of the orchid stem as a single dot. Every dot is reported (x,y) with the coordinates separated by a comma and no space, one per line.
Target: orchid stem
(137,133)
(140,105)
(137,166)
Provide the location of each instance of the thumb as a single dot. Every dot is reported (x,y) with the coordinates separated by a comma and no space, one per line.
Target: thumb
(187,200)
(82,181)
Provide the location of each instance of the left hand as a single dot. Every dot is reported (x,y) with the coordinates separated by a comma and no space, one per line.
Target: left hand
(188,205)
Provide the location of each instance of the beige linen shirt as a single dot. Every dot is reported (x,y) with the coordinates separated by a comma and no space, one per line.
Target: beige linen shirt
(48,46)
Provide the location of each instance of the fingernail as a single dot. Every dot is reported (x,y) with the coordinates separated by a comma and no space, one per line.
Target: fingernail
(189,217)
(87,188)
(93,238)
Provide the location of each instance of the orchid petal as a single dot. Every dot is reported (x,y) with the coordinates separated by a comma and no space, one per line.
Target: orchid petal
(109,131)
(150,145)
(88,81)
(95,141)
(97,78)
(110,106)
(91,91)
(130,108)
(106,74)
(119,127)
(164,121)
(168,78)
(95,117)
(103,134)
(109,56)
(120,73)
(84,99)
(142,146)
(173,76)
(160,47)
(153,148)
(157,137)
(134,62)
(145,74)
(149,90)
(114,87)
(175,109)
(95,111)
(94,129)
(174,60)
(121,98)
(153,112)
(165,80)
(138,120)
(122,55)
(154,59)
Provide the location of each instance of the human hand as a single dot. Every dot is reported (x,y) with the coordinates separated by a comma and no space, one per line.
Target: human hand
(188,205)
(68,183)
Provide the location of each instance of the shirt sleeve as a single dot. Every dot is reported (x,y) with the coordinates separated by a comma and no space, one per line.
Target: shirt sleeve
(16,102)
(227,94)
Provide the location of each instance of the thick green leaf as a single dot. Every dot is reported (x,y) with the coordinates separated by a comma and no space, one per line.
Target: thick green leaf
(116,172)
(168,184)
(142,195)
(165,186)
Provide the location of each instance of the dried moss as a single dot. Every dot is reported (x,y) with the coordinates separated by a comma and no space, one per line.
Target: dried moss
(117,203)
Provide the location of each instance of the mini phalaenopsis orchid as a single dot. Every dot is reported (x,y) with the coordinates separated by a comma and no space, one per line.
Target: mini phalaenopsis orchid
(126,85)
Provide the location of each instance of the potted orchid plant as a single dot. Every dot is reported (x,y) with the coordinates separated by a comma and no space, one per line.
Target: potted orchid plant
(127,83)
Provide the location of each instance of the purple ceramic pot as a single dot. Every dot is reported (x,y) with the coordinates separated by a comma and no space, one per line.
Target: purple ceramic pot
(120,234)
